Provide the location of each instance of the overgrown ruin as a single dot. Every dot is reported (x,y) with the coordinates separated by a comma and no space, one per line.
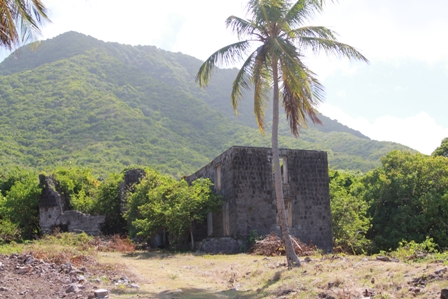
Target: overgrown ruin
(54,213)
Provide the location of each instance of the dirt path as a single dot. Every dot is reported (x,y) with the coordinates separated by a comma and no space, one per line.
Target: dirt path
(191,276)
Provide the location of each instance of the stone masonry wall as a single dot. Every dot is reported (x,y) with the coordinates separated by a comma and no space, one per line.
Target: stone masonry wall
(247,188)
(310,197)
(52,213)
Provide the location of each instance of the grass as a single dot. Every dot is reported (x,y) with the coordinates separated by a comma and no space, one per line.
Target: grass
(189,275)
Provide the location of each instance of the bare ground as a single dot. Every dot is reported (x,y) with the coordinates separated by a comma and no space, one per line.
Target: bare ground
(51,273)
(165,275)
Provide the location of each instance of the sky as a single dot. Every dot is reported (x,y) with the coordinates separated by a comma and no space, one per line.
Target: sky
(400,96)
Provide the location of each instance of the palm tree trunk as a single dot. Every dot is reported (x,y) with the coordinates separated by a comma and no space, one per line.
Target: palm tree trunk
(292,259)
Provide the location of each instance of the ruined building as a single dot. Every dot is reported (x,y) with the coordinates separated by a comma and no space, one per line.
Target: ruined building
(244,177)
(53,212)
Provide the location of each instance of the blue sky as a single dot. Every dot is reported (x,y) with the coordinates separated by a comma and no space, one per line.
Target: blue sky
(401,96)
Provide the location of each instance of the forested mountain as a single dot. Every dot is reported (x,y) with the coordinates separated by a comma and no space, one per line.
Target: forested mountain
(78,100)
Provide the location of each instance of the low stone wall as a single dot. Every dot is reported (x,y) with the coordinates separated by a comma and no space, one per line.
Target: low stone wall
(52,212)
(224,245)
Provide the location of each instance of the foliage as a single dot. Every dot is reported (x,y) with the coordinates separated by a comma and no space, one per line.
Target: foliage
(8,230)
(19,203)
(408,198)
(77,101)
(140,196)
(411,250)
(161,203)
(108,202)
(20,21)
(349,212)
(79,185)
(250,240)
(442,150)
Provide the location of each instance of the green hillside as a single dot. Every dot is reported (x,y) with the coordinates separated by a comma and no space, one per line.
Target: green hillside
(78,100)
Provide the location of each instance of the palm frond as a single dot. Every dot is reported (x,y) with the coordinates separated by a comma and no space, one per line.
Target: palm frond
(262,85)
(301,91)
(267,13)
(330,47)
(301,97)
(302,11)
(312,31)
(223,57)
(26,15)
(240,26)
(243,80)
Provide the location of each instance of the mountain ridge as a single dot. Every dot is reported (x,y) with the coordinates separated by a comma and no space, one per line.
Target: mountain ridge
(109,106)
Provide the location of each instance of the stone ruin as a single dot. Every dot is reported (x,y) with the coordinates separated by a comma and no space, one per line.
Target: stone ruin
(243,176)
(53,212)
(131,178)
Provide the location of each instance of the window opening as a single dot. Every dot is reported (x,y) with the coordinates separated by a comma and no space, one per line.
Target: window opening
(209,224)
(225,219)
(218,177)
(283,170)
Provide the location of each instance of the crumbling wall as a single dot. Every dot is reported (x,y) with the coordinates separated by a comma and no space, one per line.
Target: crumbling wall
(53,213)
(131,177)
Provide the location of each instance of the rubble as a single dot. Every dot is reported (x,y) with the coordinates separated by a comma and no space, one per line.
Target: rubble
(26,276)
(272,245)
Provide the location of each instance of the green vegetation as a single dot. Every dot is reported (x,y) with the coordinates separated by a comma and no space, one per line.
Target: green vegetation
(77,101)
(83,110)
(19,196)
(408,198)
(396,205)
(442,150)
(162,204)
(350,222)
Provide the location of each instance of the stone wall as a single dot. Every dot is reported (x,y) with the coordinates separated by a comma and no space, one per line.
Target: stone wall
(247,187)
(53,213)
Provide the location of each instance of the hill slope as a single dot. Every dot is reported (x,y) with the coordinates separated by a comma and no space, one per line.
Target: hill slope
(79,100)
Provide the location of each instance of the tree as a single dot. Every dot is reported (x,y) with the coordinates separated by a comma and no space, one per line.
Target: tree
(171,206)
(408,198)
(348,212)
(442,150)
(276,31)
(20,21)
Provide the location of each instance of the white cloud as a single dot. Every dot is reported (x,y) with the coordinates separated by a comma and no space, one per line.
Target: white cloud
(420,131)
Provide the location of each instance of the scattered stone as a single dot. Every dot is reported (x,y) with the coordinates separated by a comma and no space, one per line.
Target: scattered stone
(101,293)
(73,289)
(444,294)
(382,258)
(133,286)
(414,290)
(440,271)
(25,276)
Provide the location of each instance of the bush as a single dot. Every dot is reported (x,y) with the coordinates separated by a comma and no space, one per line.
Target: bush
(19,208)
(349,213)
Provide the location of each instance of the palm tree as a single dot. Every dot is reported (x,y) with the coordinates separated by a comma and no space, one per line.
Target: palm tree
(20,21)
(274,39)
